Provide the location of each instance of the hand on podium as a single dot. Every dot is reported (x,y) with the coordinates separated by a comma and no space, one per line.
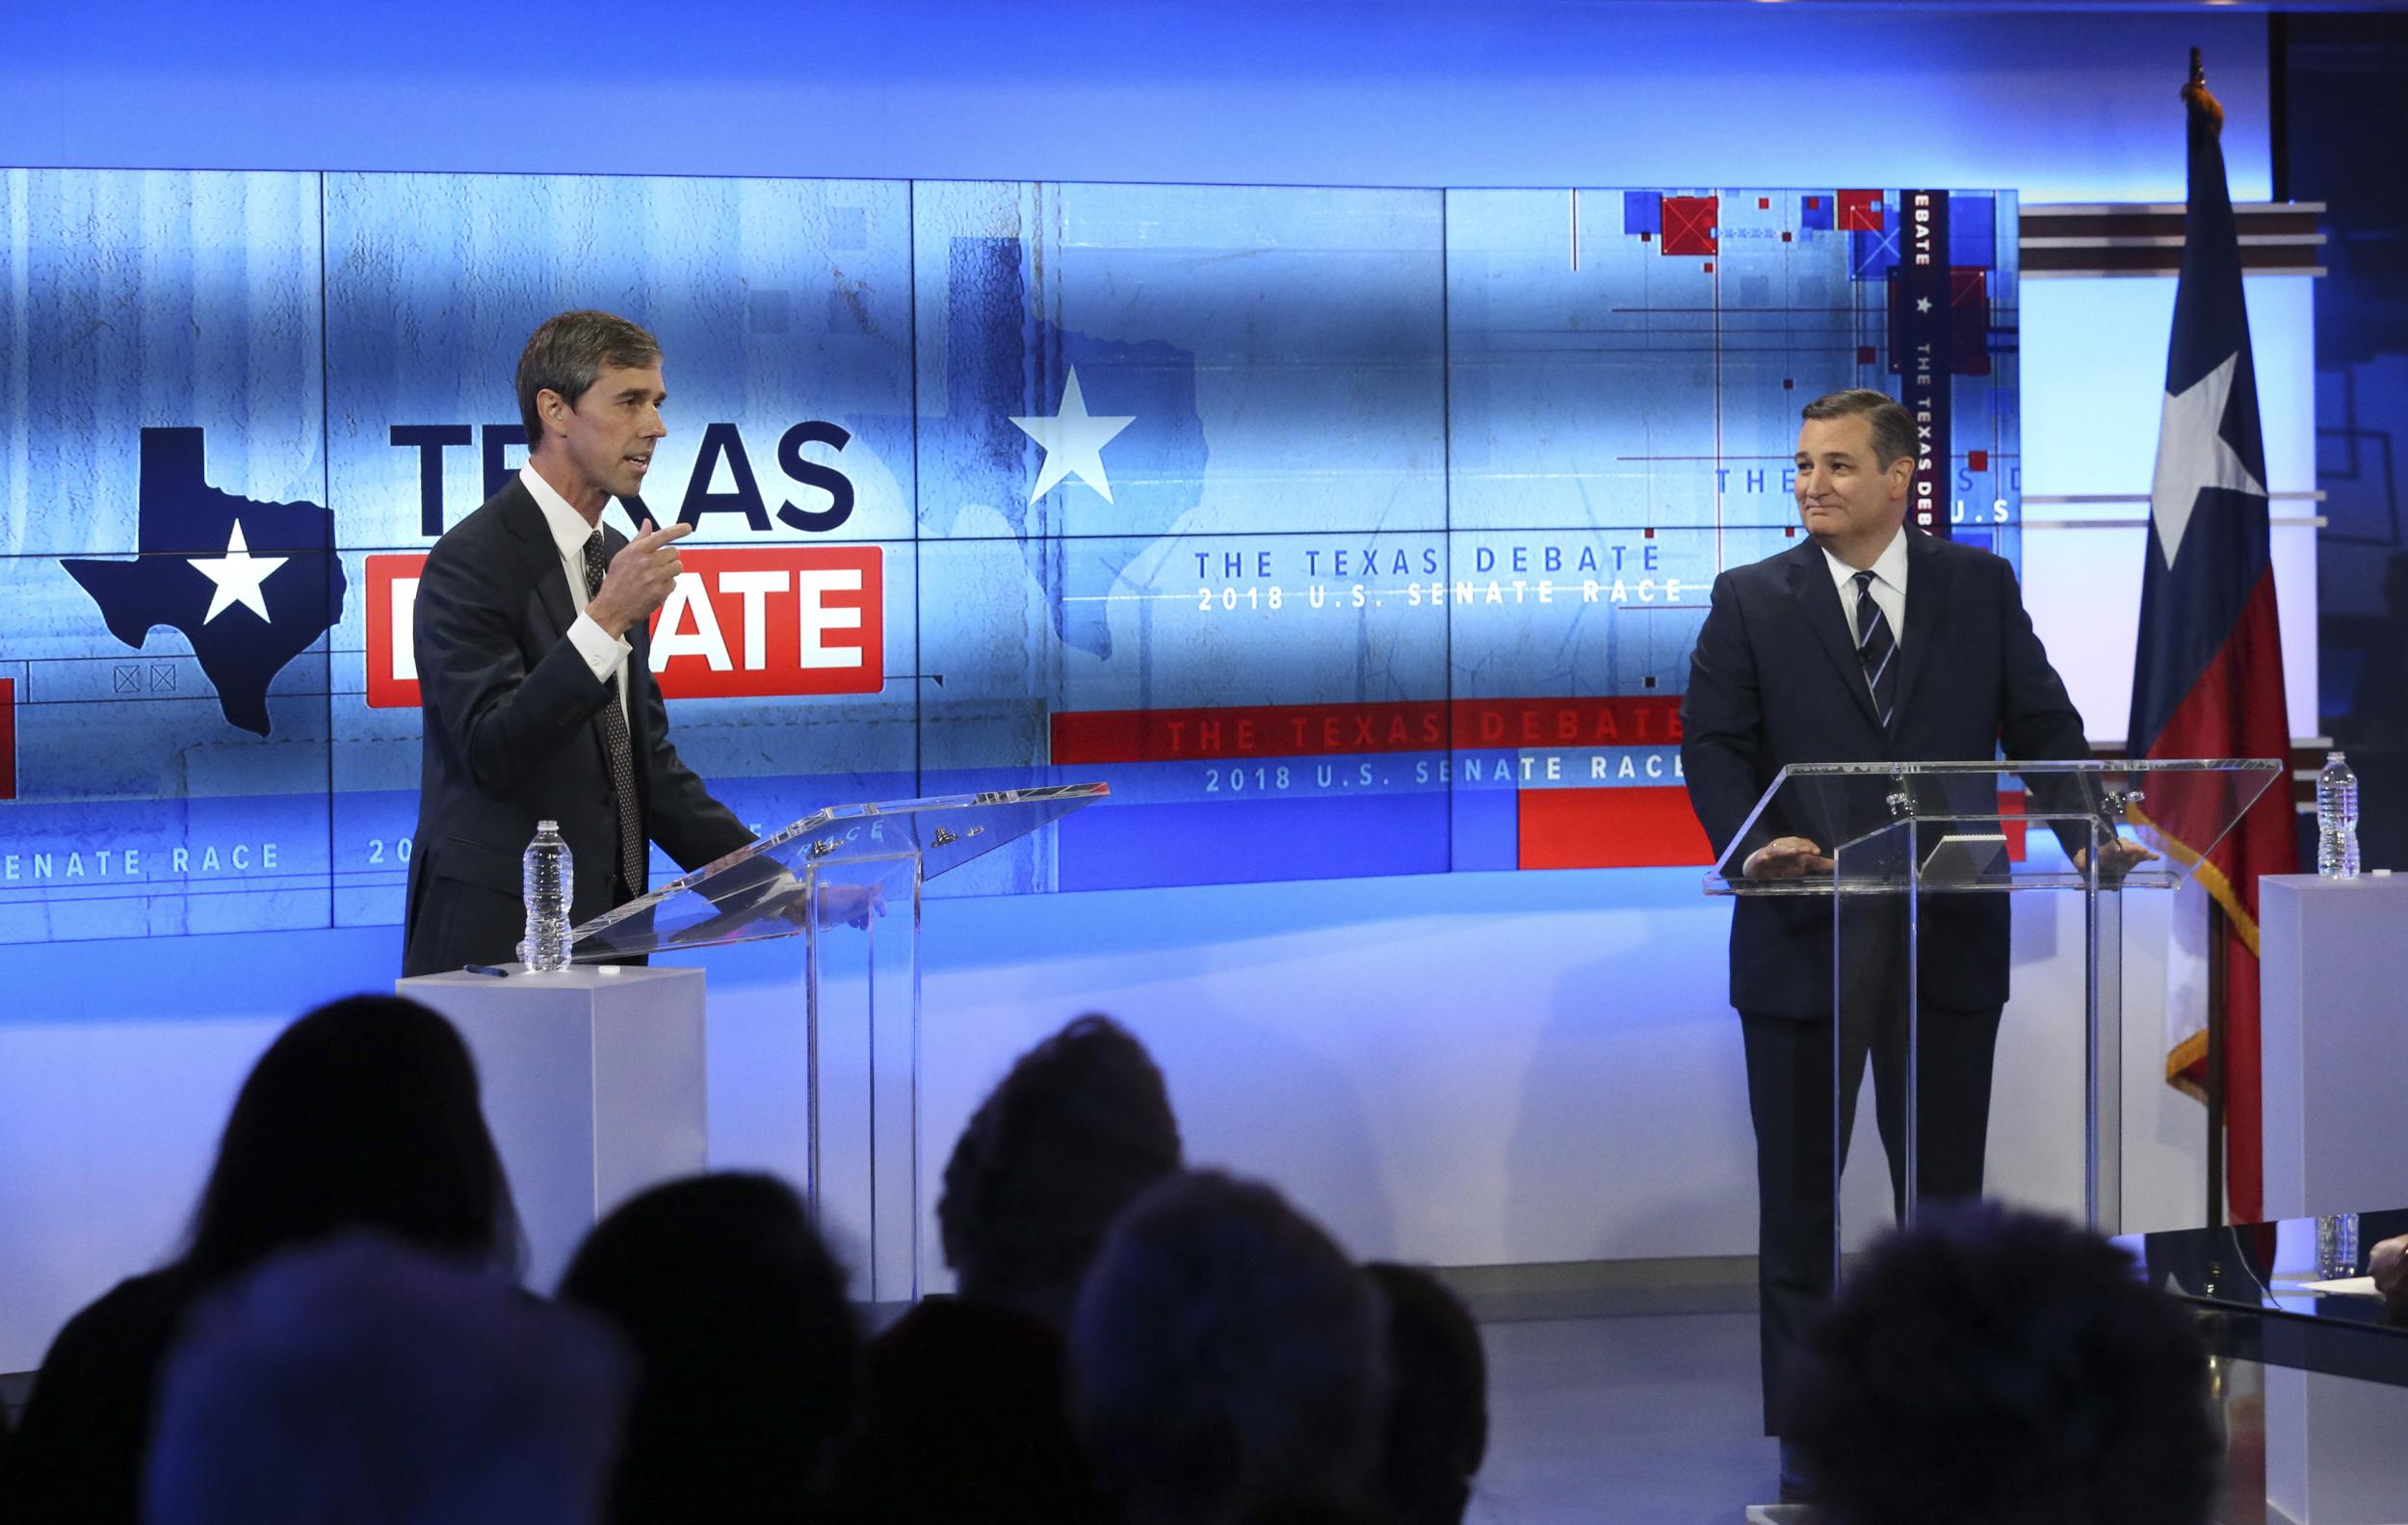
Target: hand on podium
(2120,858)
(2387,1265)
(833,904)
(851,905)
(1787,857)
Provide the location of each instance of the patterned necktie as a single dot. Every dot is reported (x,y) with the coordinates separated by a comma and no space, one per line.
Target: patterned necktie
(618,753)
(1876,648)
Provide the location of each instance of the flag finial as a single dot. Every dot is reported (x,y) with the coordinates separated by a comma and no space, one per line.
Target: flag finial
(2199,99)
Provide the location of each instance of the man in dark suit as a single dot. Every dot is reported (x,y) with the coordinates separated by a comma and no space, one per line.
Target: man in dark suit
(1869,641)
(533,664)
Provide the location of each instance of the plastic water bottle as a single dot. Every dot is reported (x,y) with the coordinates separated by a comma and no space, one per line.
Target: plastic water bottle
(2337,819)
(545,948)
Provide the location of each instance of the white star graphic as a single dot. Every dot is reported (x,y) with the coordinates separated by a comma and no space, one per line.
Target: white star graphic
(2192,454)
(1074,442)
(238,574)
(1923,304)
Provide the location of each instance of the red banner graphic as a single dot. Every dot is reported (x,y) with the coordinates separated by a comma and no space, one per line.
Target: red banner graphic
(742,623)
(1317,731)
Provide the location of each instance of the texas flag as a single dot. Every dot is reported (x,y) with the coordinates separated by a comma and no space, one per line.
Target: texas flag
(2209,676)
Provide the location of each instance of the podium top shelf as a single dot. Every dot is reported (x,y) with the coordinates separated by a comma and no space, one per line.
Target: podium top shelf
(846,861)
(1883,828)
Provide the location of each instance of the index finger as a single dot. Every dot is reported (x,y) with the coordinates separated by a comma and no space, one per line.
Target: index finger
(653,539)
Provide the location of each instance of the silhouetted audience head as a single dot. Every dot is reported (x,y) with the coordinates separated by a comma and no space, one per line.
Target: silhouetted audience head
(744,1343)
(1226,1357)
(1078,1127)
(362,1381)
(1438,1398)
(962,1419)
(1999,1366)
(362,1115)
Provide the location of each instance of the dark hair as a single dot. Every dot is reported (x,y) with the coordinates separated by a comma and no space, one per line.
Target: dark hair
(2001,1366)
(361,1380)
(361,1115)
(1438,1398)
(1072,1135)
(566,354)
(746,1346)
(1225,1357)
(1892,426)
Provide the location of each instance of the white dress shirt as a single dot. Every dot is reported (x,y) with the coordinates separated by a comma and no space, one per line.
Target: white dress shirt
(606,654)
(1888,588)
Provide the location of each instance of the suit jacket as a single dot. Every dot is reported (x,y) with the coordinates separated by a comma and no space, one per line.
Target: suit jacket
(513,735)
(1774,680)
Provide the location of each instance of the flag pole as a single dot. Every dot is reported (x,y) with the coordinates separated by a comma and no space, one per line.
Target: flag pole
(2219,929)
(2219,933)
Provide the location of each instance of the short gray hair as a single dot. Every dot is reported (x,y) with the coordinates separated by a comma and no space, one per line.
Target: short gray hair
(1892,426)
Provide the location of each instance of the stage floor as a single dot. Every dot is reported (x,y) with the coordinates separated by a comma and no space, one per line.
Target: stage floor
(1651,1420)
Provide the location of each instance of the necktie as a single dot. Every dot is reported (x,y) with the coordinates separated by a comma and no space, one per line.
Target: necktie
(1877,649)
(617,754)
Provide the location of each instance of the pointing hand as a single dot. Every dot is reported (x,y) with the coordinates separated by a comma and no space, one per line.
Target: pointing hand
(640,578)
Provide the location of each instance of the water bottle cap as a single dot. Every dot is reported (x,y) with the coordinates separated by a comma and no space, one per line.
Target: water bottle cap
(548,826)
(2335,756)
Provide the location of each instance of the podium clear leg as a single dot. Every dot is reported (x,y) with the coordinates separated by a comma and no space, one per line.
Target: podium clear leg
(1874,998)
(2103,990)
(861,1003)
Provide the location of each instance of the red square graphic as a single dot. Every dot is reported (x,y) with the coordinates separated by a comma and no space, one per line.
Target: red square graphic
(1690,223)
(1646,238)
(8,738)
(1812,201)
(1764,203)
(1860,211)
(1977,459)
(1625,828)
(1785,235)
(1969,319)
(1865,355)
(1710,267)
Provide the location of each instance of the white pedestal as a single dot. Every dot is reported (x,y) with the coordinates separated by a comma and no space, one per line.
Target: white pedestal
(2334,1033)
(593,1086)
(2332,1449)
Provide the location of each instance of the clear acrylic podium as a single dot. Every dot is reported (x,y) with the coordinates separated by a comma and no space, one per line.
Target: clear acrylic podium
(1903,845)
(846,879)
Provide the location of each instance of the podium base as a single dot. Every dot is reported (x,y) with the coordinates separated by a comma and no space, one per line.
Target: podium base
(593,1087)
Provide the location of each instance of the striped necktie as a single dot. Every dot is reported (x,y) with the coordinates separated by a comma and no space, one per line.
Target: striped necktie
(618,753)
(1877,649)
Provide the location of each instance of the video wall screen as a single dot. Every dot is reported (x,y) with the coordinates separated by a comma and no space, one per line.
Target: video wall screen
(1341,532)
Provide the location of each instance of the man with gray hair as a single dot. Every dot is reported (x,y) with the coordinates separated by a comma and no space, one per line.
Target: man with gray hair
(534,666)
(1869,641)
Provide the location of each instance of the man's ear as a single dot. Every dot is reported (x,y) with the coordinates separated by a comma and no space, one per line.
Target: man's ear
(1901,474)
(550,407)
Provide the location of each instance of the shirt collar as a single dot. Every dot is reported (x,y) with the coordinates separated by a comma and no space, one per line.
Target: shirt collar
(1890,566)
(568,527)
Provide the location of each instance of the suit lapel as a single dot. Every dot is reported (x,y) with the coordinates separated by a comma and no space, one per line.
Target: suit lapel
(1926,595)
(539,556)
(1810,584)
